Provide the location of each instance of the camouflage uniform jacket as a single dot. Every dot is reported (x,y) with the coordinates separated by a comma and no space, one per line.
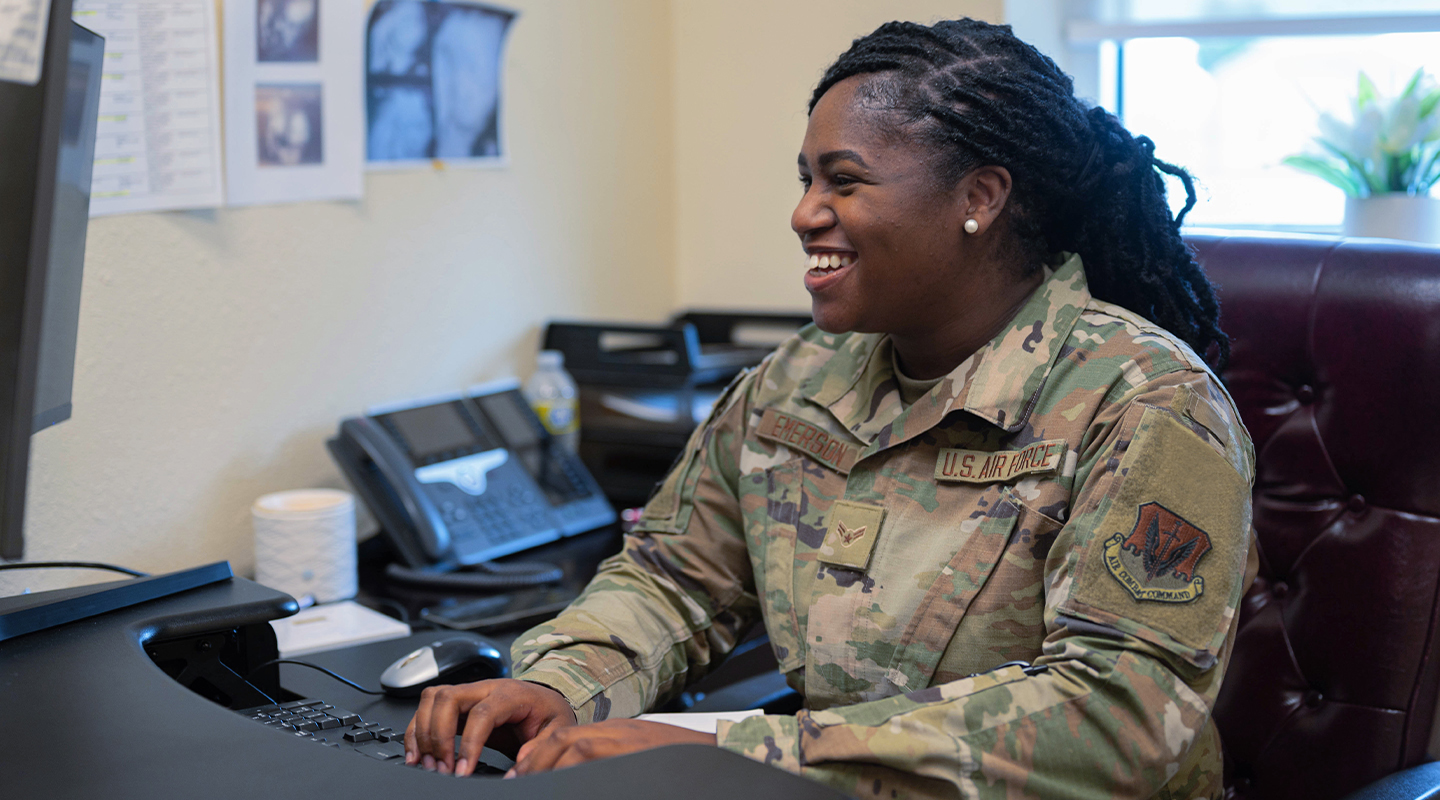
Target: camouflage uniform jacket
(1075,495)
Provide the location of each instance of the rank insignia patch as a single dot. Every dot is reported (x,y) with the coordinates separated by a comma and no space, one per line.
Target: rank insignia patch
(848,535)
(852,534)
(1158,559)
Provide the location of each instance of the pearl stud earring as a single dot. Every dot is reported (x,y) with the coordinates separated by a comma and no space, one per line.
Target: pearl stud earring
(971,226)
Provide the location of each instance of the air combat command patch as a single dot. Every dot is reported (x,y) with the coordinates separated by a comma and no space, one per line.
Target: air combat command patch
(1165,561)
(1158,560)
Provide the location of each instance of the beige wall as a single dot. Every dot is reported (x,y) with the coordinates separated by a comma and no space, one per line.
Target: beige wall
(744,70)
(217,350)
(652,147)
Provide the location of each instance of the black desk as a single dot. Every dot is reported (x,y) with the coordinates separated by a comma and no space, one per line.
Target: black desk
(87,714)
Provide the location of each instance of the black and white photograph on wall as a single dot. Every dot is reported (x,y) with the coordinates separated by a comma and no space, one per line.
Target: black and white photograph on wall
(287,30)
(288,124)
(432,82)
(294,128)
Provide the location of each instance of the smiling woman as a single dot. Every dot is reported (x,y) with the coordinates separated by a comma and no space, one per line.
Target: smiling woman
(992,509)
(896,255)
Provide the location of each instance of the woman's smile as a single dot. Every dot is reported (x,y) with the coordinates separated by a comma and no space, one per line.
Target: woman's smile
(825,268)
(884,251)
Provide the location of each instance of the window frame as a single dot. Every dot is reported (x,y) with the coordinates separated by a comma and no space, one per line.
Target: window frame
(1091,49)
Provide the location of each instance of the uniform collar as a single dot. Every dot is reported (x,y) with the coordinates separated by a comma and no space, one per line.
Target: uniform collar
(998,384)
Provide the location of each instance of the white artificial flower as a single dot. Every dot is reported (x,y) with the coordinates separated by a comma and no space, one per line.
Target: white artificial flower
(1402,122)
(1386,139)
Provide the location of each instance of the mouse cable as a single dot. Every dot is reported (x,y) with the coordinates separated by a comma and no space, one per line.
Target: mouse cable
(73,565)
(352,684)
(260,691)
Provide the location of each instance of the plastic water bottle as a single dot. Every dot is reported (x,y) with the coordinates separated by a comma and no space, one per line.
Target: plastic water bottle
(552,393)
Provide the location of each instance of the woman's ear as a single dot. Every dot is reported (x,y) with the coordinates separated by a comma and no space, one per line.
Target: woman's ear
(984,191)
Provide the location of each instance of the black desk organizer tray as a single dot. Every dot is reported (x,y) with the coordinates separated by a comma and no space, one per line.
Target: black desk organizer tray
(644,388)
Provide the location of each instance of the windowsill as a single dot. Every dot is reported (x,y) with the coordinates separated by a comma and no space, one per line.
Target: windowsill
(1316,230)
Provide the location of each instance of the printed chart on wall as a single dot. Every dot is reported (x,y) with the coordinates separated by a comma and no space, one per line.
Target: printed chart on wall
(293,100)
(22,39)
(157,145)
(432,83)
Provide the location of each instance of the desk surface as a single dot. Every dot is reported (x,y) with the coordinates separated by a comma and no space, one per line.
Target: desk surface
(87,714)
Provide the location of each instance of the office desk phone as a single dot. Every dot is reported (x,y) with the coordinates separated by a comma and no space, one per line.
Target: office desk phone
(461,479)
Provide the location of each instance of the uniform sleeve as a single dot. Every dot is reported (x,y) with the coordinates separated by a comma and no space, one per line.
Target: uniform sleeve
(673,602)
(1142,588)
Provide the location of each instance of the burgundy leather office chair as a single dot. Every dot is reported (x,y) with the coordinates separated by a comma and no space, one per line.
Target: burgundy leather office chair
(1336,370)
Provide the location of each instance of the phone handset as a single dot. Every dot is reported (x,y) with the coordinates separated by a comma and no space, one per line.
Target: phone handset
(424,518)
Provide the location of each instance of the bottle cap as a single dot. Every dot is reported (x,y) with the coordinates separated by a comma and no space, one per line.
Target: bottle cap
(550,358)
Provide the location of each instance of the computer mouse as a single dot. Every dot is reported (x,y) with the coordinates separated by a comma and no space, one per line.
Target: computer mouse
(452,658)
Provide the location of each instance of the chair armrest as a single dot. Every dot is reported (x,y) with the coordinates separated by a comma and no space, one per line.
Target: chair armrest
(1416,783)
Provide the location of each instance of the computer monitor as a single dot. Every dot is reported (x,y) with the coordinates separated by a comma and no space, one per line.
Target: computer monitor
(47,150)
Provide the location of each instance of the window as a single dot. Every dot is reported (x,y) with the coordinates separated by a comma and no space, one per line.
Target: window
(1228,95)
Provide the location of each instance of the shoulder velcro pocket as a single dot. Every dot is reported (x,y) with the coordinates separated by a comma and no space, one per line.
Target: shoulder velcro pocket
(1166,563)
(669,508)
(664,512)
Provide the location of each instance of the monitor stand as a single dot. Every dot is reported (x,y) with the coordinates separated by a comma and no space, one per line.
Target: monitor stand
(26,613)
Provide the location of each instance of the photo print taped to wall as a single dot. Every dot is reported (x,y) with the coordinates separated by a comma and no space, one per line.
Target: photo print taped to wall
(294,100)
(287,30)
(432,83)
(289,125)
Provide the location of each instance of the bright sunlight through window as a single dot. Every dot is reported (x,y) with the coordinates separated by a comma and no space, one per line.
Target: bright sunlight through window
(1230,109)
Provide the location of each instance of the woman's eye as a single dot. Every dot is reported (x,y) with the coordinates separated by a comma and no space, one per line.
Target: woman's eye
(805,181)
(843,180)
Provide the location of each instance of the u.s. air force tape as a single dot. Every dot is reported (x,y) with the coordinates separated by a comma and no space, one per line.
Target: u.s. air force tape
(798,434)
(979,466)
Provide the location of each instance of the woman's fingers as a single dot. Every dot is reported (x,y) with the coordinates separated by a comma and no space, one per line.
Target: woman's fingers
(448,703)
(432,730)
(589,749)
(479,725)
(541,753)
(417,734)
(566,747)
(487,708)
(412,750)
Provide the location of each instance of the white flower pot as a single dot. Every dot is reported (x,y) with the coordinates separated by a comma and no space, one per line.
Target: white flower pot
(1415,218)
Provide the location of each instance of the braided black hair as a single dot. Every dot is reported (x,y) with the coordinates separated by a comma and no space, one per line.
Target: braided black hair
(1082,183)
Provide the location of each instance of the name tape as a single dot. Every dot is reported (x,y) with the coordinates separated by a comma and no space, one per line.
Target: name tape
(800,435)
(979,466)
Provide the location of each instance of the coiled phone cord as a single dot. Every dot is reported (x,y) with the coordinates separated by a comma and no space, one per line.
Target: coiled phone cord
(485,576)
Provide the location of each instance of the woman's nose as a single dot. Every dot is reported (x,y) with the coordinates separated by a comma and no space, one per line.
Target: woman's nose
(811,214)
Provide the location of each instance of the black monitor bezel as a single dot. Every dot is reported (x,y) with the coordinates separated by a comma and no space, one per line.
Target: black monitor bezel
(31,124)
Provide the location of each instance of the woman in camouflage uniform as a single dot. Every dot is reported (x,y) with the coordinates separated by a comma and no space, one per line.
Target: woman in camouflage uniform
(995,521)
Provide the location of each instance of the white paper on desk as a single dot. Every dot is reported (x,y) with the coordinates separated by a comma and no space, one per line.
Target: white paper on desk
(294,108)
(157,145)
(702,722)
(22,39)
(332,625)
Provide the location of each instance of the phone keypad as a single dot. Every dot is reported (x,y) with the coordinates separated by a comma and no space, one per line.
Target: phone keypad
(509,509)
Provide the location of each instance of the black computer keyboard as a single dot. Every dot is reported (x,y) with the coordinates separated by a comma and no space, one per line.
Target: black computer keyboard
(319,722)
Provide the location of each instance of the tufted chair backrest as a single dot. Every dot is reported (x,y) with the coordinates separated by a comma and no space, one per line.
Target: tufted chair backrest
(1336,370)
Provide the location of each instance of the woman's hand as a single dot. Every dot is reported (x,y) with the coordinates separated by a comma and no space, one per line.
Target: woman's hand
(559,746)
(503,713)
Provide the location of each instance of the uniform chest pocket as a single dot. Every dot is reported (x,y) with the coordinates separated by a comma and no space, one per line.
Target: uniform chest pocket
(950,596)
(877,633)
(771,501)
(1005,620)
(785,507)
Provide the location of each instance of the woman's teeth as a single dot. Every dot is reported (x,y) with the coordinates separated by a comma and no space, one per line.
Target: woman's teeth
(830,262)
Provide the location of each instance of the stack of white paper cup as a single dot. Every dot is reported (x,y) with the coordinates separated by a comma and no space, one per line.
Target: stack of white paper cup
(305,544)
